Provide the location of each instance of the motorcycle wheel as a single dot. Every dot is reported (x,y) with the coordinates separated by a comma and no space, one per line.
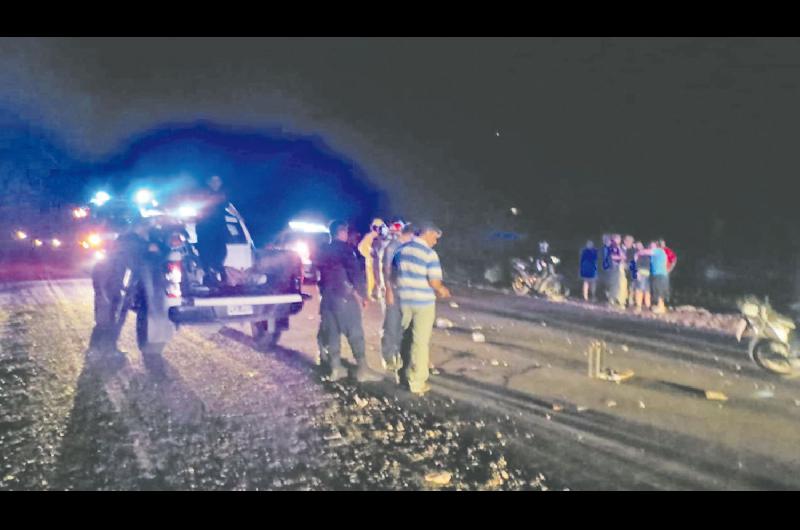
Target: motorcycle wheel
(773,357)
(519,286)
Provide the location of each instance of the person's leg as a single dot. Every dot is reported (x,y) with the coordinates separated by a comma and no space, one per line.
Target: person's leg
(585,290)
(392,333)
(353,328)
(593,288)
(330,338)
(421,329)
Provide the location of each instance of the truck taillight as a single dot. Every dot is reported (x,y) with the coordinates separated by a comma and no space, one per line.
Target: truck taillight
(174,276)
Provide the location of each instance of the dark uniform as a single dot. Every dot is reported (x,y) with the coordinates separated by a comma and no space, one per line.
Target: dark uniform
(341,278)
(110,278)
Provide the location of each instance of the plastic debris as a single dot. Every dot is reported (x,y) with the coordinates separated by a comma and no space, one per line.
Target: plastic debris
(494,362)
(454,305)
(443,323)
(641,404)
(478,337)
(581,408)
(557,407)
(713,395)
(764,394)
(624,347)
(611,403)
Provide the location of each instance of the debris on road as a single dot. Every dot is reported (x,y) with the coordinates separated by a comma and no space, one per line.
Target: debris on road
(764,394)
(557,407)
(641,404)
(611,403)
(478,337)
(494,362)
(581,408)
(439,478)
(454,305)
(611,375)
(443,323)
(713,395)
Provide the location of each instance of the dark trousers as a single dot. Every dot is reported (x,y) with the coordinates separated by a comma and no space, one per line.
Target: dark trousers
(341,317)
(392,332)
(109,311)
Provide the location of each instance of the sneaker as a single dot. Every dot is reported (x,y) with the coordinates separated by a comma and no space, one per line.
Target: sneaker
(424,389)
(337,373)
(365,374)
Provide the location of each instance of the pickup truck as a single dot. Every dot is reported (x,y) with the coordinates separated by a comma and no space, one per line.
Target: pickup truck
(167,287)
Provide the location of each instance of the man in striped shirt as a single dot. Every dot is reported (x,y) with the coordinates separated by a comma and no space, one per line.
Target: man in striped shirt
(418,282)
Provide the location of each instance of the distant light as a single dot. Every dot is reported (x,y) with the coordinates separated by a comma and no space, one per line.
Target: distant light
(100,255)
(94,240)
(143,196)
(301,247)
(100,198)
(497,133)
(21,235)
(55,242)
(514,211)
(37,242)
(85,244)
(80,213)
(308,227)
(187,211)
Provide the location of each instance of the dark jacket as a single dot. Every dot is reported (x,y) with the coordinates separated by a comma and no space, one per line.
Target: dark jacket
(340,273)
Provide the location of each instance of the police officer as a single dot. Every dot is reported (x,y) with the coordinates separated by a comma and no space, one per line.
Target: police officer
(111,278)
(343,293)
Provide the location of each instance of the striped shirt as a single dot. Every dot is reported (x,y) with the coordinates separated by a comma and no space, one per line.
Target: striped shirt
(415,264)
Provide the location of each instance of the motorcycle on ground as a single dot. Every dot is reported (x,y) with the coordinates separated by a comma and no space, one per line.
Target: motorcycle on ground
(774,345)
(538,275)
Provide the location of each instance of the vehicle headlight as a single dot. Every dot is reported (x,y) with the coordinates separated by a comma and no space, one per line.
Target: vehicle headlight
(143,196)
(94,240)
(301,247)
(55,242)
(187,211)
(100,198)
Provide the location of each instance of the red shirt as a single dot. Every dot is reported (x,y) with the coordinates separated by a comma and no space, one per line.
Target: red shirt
(671,258)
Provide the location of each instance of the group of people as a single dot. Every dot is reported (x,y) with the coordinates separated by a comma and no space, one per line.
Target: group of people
(630,273)
(400,269)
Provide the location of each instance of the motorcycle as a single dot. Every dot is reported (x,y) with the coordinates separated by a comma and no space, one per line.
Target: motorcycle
(538,275)
(774,345)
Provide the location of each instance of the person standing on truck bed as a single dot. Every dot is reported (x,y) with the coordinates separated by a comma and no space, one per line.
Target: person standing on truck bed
(343,293)
(211,230)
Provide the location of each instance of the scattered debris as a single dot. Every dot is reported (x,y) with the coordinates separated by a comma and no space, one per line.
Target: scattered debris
(360,402)
(443,323)
(611,403)
(609,374)
(440,478)
(624,347)
(557,407)
(544,324)
(797,402)
(548,417)
(476,327)
(641,404)
(454,305)
(478,337)
(713,395)
(764,394)
(495,362)
(581,408)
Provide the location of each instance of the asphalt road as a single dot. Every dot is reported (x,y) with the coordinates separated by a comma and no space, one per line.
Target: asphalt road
(517,411)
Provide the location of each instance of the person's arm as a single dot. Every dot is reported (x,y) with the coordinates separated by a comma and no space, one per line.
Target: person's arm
(435,277)
(355,275)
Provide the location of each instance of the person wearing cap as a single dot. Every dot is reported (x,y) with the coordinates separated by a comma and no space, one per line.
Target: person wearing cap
(342,295)
(418,280)
(365,249)
(392,332)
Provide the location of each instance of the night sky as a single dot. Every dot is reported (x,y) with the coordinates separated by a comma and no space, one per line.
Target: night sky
(693,139)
